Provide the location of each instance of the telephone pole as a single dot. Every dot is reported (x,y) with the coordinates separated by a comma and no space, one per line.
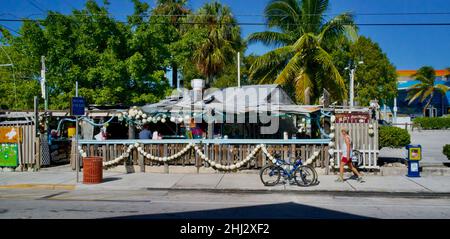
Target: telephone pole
(43,83)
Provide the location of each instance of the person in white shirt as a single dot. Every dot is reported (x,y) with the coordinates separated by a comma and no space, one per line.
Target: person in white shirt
(145,133)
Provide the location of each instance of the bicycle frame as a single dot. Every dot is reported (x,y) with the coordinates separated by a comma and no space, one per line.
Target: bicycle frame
(289,173)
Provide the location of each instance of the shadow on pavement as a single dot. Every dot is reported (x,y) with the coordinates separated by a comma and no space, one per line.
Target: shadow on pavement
(110,179)
(270,211)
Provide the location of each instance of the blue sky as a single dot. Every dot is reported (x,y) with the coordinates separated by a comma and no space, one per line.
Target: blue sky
(408,47)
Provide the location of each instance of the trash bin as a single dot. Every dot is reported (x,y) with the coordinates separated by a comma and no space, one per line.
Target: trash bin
(92,170)
(414,156)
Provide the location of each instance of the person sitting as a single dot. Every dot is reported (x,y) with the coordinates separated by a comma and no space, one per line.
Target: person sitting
(145,133)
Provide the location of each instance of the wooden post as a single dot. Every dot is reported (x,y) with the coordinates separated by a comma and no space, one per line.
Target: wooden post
(38,152)
(166,165)
(141,163)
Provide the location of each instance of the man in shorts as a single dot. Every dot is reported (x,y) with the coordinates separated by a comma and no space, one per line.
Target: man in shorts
(346,158)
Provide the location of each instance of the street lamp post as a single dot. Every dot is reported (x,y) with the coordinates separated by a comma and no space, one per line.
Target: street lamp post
(352,69)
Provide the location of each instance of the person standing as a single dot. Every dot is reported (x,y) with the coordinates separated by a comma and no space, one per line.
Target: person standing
(346,158)
(145,133)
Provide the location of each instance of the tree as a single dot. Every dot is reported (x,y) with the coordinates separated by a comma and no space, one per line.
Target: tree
(222,41)
(376,78)
(426,88)
(174,10)
(304,40)
(114,62)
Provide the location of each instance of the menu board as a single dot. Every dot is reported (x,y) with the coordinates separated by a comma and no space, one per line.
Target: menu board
(9,155)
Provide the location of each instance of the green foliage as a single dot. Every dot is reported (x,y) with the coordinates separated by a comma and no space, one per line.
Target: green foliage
(305,40)
(433,123)
(220,42)
(446,150)
(114,62)
(393,137)
(376,78)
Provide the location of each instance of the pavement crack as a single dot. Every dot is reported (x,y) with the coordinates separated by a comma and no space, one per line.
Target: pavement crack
(52,195)
(223,175)
(419,184)
(354,189)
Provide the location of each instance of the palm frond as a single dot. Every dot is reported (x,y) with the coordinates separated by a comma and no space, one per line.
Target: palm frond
(285,14)
(266,67)
(290,70)
(326,61)
(426,93)
(413,95)
(341,24)
(270,38)
(313,15)
(301,83)
(442,88)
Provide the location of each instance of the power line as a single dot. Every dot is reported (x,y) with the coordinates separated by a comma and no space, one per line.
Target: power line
(35,5)
(263,23)
(11,29)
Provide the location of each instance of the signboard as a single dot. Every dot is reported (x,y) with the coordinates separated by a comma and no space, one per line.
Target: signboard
(415,153)
(77,106)
(9,155)
(356,117)
(10,135)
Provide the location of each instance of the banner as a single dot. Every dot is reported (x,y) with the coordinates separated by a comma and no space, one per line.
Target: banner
(10,135)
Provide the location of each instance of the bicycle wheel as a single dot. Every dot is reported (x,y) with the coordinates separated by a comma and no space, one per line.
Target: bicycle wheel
(270,175)
(305,175)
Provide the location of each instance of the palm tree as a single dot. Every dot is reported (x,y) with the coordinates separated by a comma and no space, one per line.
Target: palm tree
(222,41)
(174,10)
(426,88)
(304,39)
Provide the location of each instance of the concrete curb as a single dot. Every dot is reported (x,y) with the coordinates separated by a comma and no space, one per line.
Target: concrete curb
(39,186)
(411,194)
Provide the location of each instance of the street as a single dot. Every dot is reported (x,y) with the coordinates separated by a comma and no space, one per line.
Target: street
(56,204)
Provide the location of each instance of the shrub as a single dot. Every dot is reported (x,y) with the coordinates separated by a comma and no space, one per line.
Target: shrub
(393,137)
(446,150)
(433,123)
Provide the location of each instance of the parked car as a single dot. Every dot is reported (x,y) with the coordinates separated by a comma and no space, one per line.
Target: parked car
(382,122)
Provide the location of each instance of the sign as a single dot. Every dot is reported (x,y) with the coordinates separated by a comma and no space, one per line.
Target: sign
(415,153)
(10,135)
(356,117)
(77,106)
(9,155)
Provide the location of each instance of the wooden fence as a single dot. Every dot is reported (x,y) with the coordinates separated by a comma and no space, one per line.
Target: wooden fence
(225,152)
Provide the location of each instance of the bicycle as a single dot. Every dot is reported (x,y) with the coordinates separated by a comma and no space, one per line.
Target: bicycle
(304,175)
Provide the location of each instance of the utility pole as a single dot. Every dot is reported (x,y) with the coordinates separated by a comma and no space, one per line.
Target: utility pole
(239,69)
(77,156)
(352,68)
(43,83)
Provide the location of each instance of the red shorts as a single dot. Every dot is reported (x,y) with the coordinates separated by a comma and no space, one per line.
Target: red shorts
(345,160)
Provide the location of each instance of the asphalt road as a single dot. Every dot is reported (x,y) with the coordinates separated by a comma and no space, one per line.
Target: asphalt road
(27,203)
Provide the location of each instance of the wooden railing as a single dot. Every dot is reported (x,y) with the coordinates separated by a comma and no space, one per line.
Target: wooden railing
(223,151)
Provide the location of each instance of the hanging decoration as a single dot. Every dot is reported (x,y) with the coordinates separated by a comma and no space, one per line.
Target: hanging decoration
(331,144)
(213,164)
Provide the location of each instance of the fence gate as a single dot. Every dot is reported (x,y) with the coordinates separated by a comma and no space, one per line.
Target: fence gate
(18,142)
(364,134)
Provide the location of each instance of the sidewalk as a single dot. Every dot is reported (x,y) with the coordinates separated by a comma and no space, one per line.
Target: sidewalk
(238,183)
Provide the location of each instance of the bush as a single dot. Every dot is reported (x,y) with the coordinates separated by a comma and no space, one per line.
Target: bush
(433,123)
(446,150)
(393,137)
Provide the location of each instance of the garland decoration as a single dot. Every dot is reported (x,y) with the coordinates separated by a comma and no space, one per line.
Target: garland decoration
(213,164)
